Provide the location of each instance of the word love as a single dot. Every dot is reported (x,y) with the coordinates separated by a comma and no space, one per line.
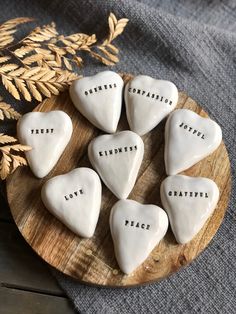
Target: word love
(132,223)
(118,150)
(188,194)
(190,129)
(149,94)
(81,214)
(100,88)
(41,131)
(76,193)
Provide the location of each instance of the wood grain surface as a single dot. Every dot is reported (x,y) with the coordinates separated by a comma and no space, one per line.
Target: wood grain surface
(92,260)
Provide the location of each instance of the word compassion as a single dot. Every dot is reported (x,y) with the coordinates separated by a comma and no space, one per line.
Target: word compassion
(119,150)
(136,224)
(42,131)
(99,88)
(192,130)
(150,95)
(188,194)
(74,194)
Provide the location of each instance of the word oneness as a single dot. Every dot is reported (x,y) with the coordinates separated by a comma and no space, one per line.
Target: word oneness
(119,150)
(42,131)
(192,130)
(74,194)
(150,95)
(99,88)
(136,224)
(188,194)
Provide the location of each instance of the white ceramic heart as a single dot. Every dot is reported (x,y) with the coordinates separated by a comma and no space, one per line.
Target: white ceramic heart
(136,229)
(75,199)
(189,202)
(48,133)
(188,139)
(148,101)
(99,99)
(117,159)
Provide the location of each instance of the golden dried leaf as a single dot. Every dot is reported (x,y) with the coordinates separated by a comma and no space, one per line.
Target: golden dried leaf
(5,139)
(20,84)
(7,111)
(4,59)
(5,165)
(10,87)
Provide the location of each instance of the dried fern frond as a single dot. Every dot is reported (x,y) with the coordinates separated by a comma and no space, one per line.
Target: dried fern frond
(35,82)
(8,28)
(9,160)
(7,111)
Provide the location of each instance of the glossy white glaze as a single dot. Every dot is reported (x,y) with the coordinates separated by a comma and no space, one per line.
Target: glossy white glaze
(75,199)
(189,202)
(117,159)
(136,229)
(99,99)
(188,139)
(48,133)
(148,101)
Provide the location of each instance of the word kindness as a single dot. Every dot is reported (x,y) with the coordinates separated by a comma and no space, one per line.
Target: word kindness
(100,88)
(41,131)
(192,130)
(188,194)
(136,224)
(150,95)
(74,194)
(119,150)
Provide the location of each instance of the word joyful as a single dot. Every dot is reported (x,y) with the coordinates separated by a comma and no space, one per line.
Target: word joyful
(99,88)
(137,224)
(119,150)
(188,194)
(150,95)
(192,130)
(74,194)
(41,131)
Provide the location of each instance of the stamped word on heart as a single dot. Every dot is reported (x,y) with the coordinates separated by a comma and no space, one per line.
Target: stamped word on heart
(136,229)
(75,199)
(99,99)
(148,101)
(48,133)
(188,139)
(189,202)
(117,159)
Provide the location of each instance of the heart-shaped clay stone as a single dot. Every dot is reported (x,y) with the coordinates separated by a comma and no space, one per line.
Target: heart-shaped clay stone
(148,101)
(75,199)
(117,158)
(136,229)
(99,99)
(48,133)
(188,139)
(189,202)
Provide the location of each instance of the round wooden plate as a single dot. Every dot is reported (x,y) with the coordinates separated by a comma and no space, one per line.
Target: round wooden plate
(92,260)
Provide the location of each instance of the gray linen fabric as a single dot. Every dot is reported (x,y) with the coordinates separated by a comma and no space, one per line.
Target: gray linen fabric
(193,44)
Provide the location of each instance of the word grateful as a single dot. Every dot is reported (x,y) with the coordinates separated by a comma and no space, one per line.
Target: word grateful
(41,131)
(149,94)
(99,88)
(74,194)
(136,224)
(192,130)
(114,151)
(188,194)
